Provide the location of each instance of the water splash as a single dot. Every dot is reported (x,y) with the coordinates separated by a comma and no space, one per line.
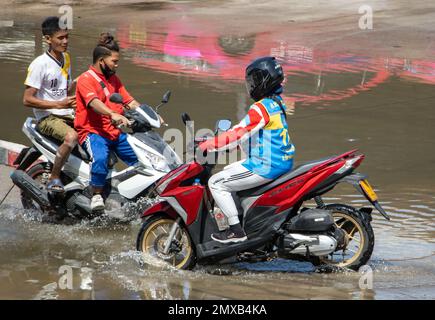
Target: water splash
(48,292)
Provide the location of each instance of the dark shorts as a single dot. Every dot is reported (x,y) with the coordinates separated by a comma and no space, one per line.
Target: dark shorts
(55,126)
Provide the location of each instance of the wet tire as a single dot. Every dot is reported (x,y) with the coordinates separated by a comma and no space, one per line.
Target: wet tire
(35,172)
(50,216)
(148,243)
(367,237)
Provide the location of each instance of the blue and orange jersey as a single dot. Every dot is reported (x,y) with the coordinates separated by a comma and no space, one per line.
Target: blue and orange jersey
(269,149)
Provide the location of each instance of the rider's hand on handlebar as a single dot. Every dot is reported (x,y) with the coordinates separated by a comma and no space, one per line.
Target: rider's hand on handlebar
(119,120)
(162,121)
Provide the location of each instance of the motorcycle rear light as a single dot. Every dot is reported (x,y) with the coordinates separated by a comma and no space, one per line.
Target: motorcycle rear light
(346,166)
(358,161)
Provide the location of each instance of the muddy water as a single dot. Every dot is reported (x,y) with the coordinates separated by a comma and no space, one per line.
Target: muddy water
(345,88)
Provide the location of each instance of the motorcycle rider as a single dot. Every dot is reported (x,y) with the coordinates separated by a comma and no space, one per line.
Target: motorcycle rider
(270,151)
(48,83)
(97,118)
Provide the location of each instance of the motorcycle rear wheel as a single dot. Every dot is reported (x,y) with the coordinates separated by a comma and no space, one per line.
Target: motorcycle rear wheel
(152,237)
(37,172)
(359,238)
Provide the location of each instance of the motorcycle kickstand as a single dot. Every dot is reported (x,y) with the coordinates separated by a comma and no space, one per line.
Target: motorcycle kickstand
(307,252)
(4,198)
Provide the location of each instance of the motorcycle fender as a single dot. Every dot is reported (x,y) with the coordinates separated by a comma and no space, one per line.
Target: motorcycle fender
(21,156)
(160,207)
(354,179)
(26,158)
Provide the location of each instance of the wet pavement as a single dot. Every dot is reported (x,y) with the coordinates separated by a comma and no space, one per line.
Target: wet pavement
(346,88)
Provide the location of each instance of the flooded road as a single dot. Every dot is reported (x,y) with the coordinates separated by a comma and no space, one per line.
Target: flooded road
(346,88)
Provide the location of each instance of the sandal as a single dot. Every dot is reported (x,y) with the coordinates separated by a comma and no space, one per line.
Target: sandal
(55,185)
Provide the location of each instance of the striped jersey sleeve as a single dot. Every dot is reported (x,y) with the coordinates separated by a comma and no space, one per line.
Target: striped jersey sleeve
(256,119)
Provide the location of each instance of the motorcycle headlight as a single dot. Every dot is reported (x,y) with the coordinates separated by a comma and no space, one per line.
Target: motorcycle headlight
(158,163)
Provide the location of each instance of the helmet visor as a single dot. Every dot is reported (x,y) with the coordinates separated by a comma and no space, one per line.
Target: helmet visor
(250,83)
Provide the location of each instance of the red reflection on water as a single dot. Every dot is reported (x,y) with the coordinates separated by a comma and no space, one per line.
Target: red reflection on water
(422,71)
(195,49)
(183,48)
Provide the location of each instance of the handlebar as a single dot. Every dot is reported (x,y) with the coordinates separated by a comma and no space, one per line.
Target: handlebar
(204,154)
(197,140)
(132,122)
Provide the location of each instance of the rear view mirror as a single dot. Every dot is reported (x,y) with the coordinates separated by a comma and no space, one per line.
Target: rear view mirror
(185,117)
(116,98)
(223,125)
(166,97)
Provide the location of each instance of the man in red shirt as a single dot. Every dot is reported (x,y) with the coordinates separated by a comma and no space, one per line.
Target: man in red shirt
(97,118)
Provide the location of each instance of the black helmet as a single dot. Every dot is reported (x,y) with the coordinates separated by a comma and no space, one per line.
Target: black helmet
(263,76)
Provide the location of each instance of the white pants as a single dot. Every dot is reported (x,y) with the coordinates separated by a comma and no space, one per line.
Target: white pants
(234,177)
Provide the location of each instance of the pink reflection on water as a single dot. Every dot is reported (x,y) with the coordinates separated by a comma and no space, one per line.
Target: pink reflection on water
(194,49)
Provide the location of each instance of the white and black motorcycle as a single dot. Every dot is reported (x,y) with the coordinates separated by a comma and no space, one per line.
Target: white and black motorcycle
(123,188)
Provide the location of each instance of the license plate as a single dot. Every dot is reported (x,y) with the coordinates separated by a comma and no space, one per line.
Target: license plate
(368,190)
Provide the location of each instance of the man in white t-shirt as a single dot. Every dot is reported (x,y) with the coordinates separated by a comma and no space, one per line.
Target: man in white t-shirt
(48,83)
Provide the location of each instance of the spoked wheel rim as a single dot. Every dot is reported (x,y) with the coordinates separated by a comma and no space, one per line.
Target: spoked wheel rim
(154,240)
(354,241)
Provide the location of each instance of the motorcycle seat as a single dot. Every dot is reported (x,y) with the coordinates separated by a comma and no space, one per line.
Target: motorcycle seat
(297,171)
(78,151)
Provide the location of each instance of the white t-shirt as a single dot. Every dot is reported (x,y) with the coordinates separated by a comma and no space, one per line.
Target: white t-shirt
(52,79)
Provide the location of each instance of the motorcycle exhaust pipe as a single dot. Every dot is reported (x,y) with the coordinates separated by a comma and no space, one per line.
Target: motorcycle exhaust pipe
(23,181)
(29,186)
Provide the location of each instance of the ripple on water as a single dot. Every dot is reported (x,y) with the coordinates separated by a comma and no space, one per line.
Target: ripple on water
(106,246)
(16,49)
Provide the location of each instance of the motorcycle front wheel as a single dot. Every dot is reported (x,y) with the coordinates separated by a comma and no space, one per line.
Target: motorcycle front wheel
(152,239)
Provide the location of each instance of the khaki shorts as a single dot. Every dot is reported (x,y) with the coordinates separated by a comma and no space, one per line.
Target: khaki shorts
(55,126)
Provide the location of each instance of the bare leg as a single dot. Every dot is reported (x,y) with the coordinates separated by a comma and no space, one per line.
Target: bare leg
(63,153)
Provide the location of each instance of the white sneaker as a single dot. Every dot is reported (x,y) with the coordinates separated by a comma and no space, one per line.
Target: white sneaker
(97,203)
